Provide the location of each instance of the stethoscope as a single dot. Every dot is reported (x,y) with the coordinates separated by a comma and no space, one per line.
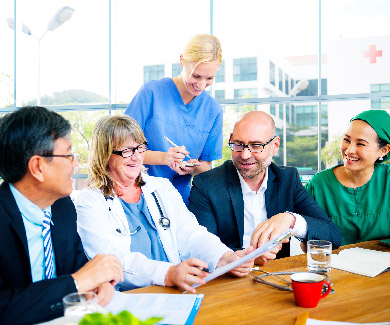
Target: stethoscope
(120,226)
(164,221)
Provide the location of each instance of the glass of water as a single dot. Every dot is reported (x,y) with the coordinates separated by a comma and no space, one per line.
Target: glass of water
(319,254)
(77,305)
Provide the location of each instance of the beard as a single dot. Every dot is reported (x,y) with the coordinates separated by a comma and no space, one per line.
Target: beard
(258,167)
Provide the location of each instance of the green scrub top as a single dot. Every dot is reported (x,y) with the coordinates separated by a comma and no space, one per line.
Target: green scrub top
(360,214)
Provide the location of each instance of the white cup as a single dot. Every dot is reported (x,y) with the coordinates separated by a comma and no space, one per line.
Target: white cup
(77,305)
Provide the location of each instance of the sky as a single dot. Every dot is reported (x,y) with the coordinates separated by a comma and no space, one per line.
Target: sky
(75,56)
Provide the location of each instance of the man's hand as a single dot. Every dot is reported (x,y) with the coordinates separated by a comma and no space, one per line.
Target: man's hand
(270,255)
(102,268)
(188,271)
(242,269)
(104,293)
(271,228)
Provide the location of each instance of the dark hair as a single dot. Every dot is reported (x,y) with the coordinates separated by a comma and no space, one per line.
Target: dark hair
(381,143)
(27,132)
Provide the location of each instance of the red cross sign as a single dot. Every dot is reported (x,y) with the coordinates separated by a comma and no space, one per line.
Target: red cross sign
(372,53)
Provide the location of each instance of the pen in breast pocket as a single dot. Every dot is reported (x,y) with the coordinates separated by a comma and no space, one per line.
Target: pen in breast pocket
(175,145)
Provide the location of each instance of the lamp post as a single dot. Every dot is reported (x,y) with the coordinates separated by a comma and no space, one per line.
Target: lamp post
(60,17)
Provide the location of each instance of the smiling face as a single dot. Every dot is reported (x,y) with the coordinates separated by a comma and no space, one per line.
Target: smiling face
(126,170)
(59,170)
(255,127)
(198,79)
(359,147)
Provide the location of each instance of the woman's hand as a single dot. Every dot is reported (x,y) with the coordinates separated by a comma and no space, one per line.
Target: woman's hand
(175,155)
(185,274)
(182,169)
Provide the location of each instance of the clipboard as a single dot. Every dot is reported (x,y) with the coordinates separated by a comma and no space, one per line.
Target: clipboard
(258,251)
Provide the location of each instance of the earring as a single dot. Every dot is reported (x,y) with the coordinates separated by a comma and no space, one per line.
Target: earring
(346,152)
(380,158)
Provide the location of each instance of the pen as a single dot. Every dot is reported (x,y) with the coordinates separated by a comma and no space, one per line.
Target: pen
(175,145)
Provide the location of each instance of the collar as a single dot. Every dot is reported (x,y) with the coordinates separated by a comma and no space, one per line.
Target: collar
(29,210)
(246,189)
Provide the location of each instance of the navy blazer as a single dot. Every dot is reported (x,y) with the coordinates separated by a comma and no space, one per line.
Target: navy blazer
(21,300)
(217,202)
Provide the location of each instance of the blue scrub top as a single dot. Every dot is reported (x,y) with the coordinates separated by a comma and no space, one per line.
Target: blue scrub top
(145,240)
(160,110)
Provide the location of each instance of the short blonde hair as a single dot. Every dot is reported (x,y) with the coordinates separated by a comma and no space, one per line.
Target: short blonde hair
(203,48)
(110,133)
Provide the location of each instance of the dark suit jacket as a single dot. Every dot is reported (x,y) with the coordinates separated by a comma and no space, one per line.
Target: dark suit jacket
(217,202)
(21,300)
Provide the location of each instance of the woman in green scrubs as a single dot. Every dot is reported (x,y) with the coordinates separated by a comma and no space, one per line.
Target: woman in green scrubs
(356,195)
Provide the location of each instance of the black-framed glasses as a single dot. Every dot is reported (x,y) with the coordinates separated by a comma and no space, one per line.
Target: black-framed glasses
(253,147)
(128,152)
(73,156)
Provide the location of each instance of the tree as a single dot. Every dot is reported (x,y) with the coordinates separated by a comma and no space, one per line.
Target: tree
(330,154)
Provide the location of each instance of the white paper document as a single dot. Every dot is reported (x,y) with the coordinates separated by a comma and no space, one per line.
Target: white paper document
(266,247)
(324,322)
(361,261)
(174,308)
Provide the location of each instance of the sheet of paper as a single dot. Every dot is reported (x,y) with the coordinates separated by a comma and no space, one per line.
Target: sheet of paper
(324,322)
(226,268)
(175,308)
(361,261)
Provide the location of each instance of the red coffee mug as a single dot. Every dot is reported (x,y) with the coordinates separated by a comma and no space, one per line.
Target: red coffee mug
(307,288)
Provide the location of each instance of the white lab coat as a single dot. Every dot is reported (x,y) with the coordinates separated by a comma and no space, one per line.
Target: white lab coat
(185,238)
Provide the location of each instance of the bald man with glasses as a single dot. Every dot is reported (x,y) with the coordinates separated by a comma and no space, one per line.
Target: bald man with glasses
(249,199)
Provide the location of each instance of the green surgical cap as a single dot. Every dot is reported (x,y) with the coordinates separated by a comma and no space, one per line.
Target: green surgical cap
(379,121)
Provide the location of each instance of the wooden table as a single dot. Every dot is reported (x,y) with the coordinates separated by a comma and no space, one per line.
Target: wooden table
(229,300)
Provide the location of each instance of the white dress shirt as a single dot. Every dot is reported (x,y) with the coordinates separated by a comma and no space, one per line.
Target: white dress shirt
(255,211)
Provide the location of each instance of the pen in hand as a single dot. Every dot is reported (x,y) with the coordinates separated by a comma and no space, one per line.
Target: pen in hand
(175,145)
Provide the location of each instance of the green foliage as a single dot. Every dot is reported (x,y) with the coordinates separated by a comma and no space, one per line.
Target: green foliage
(330,154)
(302,151)
(71,96)
(123,317)
(82,127)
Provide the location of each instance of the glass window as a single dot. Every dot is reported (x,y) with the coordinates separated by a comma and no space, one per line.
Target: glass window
(245,93)
(312,88)
(382,103)
(280,80)
(245,69)
(281,111)
(176,69)
(219,95)
(142,35)
(57,59)
(153,72)
(271,73)
(286,83)
(7,55)
(220,76)
(272,109)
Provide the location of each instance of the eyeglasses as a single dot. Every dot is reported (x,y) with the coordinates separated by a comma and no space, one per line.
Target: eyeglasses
(128,152)
(73,155)
(253,147)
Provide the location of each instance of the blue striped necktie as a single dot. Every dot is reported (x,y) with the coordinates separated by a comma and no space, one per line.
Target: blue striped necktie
(47,245)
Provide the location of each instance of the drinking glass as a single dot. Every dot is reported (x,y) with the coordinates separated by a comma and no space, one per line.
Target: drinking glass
(319,254)
(77,305)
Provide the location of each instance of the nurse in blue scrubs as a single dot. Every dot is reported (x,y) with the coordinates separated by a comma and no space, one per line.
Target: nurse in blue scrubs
(180,109)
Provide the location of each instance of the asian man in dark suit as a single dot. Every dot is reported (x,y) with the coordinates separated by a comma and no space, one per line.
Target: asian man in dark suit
(41,255)
(249,199)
